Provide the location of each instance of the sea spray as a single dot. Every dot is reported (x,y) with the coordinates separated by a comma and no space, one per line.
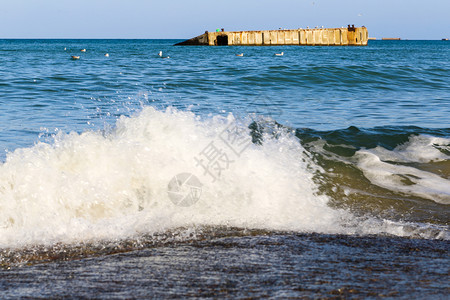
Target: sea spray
(100,186)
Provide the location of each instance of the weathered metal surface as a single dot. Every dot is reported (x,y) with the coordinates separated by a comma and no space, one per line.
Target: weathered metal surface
(350,36)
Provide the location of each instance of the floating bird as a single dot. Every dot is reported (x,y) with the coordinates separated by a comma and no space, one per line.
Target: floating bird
(83,50)
(65,48)
(75,57)
(106,54)
(279,54)
(242,54)
(160,54)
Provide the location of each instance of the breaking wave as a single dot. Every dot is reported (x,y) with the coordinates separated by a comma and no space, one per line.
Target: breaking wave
(101,186)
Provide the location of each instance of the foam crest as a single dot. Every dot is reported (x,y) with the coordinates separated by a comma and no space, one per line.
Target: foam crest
(404,169)
(98,186)
(420,148)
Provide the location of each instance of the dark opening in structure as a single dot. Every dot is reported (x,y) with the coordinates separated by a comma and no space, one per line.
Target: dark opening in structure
(222,40)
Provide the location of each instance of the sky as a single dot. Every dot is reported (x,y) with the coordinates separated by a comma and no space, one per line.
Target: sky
(182,19)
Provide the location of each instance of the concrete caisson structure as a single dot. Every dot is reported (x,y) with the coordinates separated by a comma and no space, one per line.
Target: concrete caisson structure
(350,36)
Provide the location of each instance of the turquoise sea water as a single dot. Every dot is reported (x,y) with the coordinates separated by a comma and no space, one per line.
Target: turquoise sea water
(325,149)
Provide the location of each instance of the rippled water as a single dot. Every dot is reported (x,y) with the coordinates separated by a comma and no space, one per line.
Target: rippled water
(325,149)
(386,83)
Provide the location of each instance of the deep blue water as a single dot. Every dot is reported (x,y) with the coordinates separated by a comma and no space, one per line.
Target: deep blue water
(343,190)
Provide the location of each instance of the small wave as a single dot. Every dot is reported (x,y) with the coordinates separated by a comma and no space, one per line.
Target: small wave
(404,178)
(398,170)
(396,173)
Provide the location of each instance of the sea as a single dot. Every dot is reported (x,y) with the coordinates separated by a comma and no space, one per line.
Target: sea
(323,173)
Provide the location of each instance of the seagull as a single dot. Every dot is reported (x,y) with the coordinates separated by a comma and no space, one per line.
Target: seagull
(279,54)
(242,54)
(65,48)
(83,50)
(160,54)
(75,57)
(107,55)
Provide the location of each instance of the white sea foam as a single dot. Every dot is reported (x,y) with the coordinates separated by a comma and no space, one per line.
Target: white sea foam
(420,148)
(100,186)
(393,170)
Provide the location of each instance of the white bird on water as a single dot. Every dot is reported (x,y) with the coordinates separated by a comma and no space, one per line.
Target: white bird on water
(242,54)
(279,54)
(75,57)
(106,54)
(161,55)
(83,50)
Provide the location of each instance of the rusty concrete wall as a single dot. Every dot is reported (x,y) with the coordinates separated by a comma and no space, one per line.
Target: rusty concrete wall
(351,36)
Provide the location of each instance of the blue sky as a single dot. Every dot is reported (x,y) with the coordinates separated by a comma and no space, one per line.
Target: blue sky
(408,19)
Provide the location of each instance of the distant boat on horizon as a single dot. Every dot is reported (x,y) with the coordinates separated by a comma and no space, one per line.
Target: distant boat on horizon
(391,39)
(445,39)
